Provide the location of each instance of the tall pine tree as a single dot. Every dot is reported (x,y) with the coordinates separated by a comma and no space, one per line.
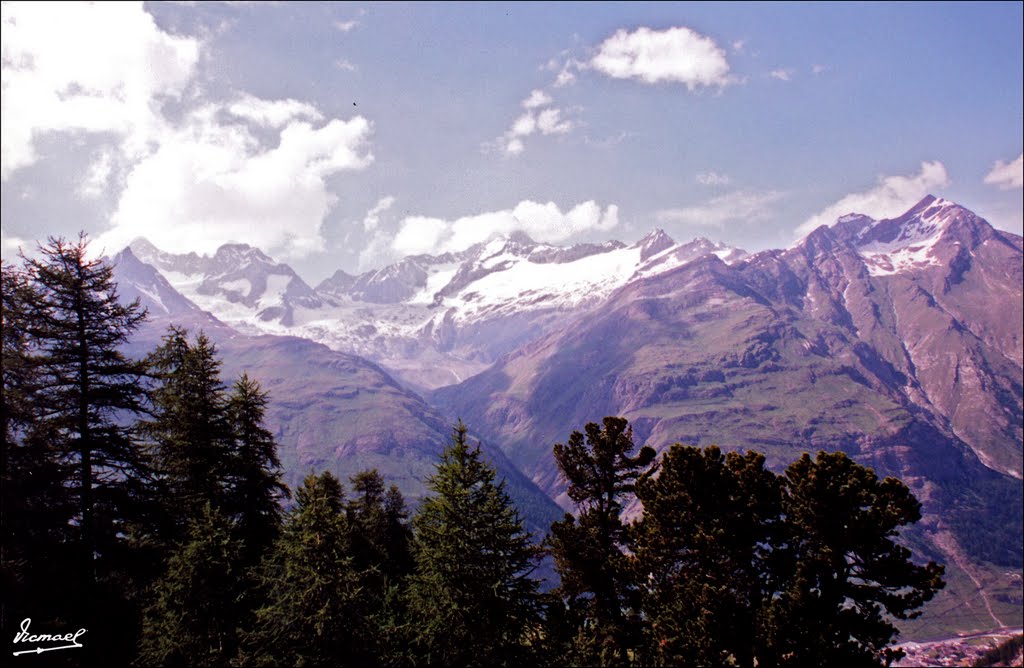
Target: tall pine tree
(704,552)
(598,585)
(254,474)
(848,577)
(190,432)
(472,600)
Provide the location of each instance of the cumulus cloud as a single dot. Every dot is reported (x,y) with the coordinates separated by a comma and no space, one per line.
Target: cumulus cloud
(890,197)
(273,113)
(713,179)
(242,169)
(535,120)
(739,206)
(212,182)
(542,222)
(781,74)
(676,55)
(372,219)
(1007,176)
(92,67)
(537,98)
(346,26)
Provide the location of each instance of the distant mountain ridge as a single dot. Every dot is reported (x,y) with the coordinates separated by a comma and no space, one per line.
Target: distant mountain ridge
(434,320)
(898,341)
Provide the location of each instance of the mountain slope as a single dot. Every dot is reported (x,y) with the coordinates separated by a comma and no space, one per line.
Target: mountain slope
(884,339)
(328,410)
(433,320)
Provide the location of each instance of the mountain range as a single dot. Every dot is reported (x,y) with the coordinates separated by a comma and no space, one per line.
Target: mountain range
(898,341)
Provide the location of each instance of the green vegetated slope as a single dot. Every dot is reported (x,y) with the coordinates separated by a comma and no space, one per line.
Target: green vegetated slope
(703,355)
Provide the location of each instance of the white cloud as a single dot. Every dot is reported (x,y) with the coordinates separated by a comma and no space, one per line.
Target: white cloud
(781,74)
(1007,176)
(245,169)
(550,122)
(738,45)
(543,222)
(372,219)
(94,183)
(92,67)
(273,113)
(892,196)
(818,69)
(537,98)
(346,26)
(740,206)
(534,120)
(211,182)
(676,55)
(345,65)
(713,179)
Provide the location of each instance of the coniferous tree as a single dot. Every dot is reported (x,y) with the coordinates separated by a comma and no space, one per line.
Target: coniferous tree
(87,388)
(704,551)
(190,431)
(37,540)
(194,615)
(472,600)
(849,578)
(312,615)
(382,558)
(598,587)
(254,475)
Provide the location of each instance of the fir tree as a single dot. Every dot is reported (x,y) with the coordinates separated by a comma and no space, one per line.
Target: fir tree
(849,579)
(194,615)
(597,583)
(472,600)
(382,558)
(312,615)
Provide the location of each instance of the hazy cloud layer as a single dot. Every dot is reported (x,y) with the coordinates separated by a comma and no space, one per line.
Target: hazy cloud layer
(741,206)
(543,222)
(1007,176)
(892,196)
(675,55)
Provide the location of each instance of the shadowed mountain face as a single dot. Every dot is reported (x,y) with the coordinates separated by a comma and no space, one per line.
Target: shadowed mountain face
(897,341)
(328,410)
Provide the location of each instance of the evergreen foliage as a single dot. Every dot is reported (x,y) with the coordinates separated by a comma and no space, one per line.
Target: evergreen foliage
(194,616)
(85,389)
(254,474)
(190,430)
(849,578)
(705,549)
(312,616)
(601,622)
(472,600)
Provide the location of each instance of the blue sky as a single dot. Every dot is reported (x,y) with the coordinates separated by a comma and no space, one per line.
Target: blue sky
(348,135)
